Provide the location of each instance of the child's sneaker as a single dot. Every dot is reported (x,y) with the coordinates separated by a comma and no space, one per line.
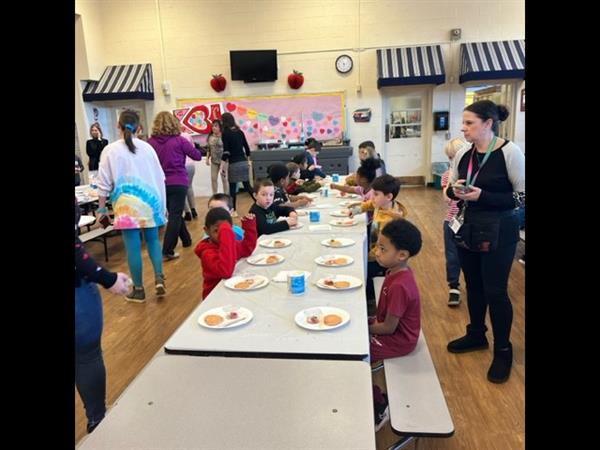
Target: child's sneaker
(137,295)
(159,283)
(382,414)
(454,297)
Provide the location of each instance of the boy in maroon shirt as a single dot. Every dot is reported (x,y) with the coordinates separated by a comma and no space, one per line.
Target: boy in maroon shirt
(395,330)
(220,251)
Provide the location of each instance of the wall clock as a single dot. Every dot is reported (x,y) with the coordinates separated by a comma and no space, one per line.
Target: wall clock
(344,63)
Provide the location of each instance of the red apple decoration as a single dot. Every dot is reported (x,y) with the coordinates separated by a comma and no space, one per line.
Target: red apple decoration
(218,82)
(296,79)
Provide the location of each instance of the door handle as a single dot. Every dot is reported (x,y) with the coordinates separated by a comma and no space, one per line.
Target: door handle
(387,132)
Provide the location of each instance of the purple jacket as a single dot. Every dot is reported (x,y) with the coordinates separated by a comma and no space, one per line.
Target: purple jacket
(171,151)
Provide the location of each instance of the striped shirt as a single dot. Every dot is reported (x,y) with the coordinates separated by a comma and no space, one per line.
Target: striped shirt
(452,204)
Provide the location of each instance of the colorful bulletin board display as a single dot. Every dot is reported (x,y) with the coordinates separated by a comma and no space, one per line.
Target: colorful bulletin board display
(278,117)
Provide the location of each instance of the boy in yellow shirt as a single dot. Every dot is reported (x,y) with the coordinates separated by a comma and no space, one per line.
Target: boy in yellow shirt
(385,209)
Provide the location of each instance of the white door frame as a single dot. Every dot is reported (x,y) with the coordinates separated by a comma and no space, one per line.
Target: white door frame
(426,120)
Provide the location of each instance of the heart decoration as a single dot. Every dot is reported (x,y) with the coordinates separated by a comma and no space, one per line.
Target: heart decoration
(335,122)
(328,131)
(242,110)
(273,120)
(329,118)
(230,107)
(285,124)
(252,114)
(336,130)
(195,119)
(321,131)
(317,116)
(255,125)
(262,117)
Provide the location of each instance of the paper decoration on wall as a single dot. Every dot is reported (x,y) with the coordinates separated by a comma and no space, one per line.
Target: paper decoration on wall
(286,118)
(362,115)
(198,119)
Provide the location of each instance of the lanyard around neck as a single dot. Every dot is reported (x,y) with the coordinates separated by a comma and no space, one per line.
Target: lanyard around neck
(469,181)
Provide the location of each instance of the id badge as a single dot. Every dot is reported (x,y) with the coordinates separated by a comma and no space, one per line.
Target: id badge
(455,225)
(457,221)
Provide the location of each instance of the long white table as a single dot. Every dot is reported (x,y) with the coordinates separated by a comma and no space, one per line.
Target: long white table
(273,332)
(180,402)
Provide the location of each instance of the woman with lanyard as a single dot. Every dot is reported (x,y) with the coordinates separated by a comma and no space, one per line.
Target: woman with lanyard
(489,180)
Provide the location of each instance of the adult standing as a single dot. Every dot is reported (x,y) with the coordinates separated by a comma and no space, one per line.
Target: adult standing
(489,180)
(190,167)
(130,172)
(172,150)
(78,170)
(235,158)
(213,158)
(94,147)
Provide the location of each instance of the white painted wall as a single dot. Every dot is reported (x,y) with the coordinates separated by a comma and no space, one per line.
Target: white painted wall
(308,35)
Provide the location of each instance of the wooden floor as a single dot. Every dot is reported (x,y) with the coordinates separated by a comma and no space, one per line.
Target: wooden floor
(486,416)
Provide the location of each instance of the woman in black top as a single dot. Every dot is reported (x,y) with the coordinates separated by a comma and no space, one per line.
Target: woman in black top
(236,156)
(489,180)
(94,146)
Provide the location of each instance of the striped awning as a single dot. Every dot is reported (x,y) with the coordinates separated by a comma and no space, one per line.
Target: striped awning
(127,82)
(492,60)
(410,65)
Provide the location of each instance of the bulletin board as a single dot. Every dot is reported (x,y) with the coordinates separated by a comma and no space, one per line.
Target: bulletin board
(276,117)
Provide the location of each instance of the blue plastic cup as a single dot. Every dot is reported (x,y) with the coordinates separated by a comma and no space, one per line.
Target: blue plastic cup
(315,216)
(335,177)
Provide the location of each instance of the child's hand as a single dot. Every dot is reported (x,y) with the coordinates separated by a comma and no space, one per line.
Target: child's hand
(121,285)
(300,182)
(292,220)
(249,216)
(311,167)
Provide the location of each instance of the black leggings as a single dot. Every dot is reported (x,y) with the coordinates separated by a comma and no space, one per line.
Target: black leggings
(233,191)
(486,277)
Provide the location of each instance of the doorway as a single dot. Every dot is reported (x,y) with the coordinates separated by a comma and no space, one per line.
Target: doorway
(406,111)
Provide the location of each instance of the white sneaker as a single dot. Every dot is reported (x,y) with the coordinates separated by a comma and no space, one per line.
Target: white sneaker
(454,297)
(383,418)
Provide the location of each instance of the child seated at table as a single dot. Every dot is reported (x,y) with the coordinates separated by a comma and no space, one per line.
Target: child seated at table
(395,329)
(364,177)
(221,200)
(309,183)
(267,213)
(220,251)
(385,209)
(295,181)
(279,175)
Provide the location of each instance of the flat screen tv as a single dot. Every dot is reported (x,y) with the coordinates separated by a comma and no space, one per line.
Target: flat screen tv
(253,65)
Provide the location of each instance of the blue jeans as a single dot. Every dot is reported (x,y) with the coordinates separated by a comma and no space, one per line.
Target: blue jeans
(452,261)
(90,374)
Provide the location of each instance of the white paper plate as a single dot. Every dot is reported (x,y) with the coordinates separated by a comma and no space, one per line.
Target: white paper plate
(259,282)
(339,213)
(322,260)
(354,282)
(244,316)
(344,242)
(270,243)
(323,206)
(321,312)
(343,222)
(348,196)
(311,195)
(297,226)
(261,259)
(302,212)
(349,202)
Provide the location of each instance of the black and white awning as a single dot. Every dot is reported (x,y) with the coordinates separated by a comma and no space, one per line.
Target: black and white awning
(492,60)
(410,65)
(127,82)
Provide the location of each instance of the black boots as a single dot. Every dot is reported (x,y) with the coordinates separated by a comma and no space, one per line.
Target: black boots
(473,340)
(501,365)
(194,213)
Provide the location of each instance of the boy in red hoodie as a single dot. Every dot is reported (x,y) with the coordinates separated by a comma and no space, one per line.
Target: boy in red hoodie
(220,251)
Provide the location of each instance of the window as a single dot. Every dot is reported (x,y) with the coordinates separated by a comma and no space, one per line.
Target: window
(405,120)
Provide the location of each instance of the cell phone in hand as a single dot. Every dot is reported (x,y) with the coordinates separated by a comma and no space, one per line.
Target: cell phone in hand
(462,188)
(104,221)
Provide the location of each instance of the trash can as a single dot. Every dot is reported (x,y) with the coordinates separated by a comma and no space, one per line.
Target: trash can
(438,169)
